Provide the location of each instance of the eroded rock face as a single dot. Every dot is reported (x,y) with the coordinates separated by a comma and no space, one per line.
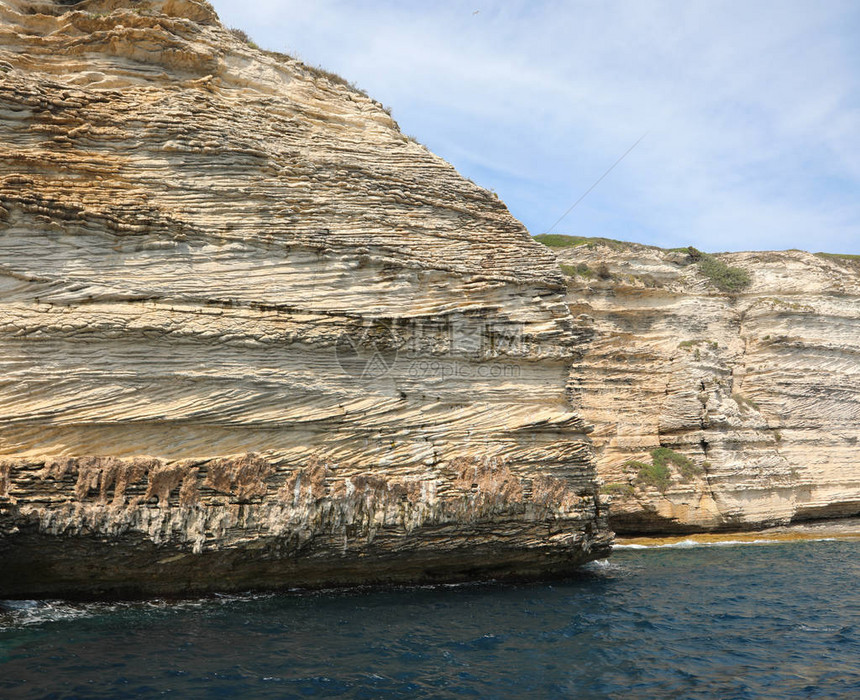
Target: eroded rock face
(759,389)
(254,336)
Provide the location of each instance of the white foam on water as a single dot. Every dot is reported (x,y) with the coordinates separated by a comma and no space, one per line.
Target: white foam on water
(28,613)
(600,564)
(606,567)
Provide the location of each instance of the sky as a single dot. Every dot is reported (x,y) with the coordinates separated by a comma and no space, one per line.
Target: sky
(748,111)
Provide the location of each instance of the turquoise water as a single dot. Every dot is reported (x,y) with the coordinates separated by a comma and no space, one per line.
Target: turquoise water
(751,621)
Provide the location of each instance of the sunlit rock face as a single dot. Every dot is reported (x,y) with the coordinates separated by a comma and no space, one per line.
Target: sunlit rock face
(253,336)
(758,388)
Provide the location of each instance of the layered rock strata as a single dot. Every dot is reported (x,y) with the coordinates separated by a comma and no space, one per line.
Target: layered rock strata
(751,397)
(253,336)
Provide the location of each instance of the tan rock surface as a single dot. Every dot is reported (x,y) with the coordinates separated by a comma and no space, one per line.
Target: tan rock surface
(760,389)
(254,336)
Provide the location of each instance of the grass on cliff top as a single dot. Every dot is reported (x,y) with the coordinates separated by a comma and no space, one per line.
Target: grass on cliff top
(840,257)
(727,278)
(316,71)
(559,240)
(722,276)
(242,36)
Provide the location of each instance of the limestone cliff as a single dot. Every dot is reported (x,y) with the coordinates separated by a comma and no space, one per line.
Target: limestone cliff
(724,390)
(253,336)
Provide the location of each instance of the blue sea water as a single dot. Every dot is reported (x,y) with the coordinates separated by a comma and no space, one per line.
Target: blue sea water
(741,621)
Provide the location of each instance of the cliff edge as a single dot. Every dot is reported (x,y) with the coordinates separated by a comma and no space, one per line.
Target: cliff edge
(253,336)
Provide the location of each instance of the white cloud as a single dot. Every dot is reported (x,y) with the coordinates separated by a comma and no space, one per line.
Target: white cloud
(752,108)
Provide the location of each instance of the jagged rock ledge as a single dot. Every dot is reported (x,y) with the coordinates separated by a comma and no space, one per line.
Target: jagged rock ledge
(109,527)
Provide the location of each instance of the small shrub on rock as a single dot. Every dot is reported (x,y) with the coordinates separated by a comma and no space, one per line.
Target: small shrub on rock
(724,277)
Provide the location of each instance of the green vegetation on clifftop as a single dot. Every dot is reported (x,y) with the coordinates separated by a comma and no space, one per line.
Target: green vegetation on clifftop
(315,71)
(722,276)
(559,240)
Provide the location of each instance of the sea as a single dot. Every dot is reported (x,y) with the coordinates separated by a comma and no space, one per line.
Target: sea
(685,619)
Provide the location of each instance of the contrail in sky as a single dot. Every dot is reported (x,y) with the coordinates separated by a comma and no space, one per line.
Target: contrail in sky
(573,206)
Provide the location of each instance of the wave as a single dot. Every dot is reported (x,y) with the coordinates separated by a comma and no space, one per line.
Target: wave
(601,565)
(15,614)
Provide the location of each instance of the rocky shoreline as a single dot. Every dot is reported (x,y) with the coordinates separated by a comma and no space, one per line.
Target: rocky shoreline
(840,529)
